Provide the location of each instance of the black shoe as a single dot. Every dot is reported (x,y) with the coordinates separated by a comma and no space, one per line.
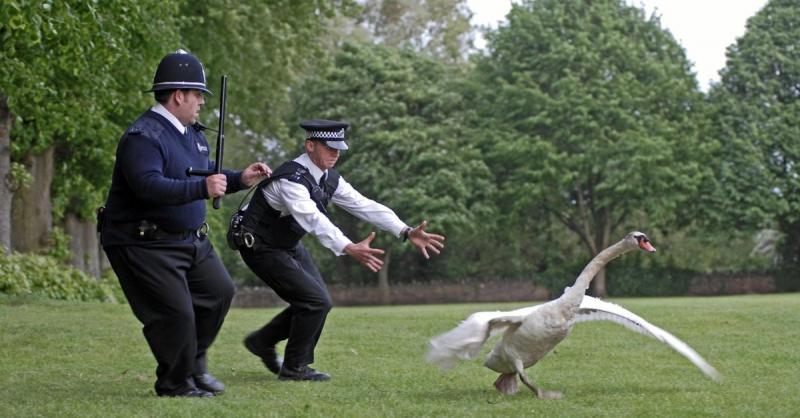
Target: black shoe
(302,373)
(268,355)
(208,383)
(188,393)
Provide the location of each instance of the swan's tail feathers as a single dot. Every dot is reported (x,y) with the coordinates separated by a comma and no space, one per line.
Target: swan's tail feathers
(463,342)
(593,309)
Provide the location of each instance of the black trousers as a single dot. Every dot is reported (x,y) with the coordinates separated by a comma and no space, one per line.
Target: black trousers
(180,292)
(294,277)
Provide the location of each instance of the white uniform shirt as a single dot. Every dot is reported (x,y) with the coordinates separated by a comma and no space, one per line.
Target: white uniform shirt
(161,110)
(293,199)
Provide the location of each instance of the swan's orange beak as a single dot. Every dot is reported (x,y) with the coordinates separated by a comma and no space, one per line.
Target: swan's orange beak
(645,244)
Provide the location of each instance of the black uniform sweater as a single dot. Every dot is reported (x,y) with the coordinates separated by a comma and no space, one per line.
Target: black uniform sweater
(150,181)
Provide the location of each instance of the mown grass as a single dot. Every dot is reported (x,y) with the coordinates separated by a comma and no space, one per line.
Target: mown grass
(90,360)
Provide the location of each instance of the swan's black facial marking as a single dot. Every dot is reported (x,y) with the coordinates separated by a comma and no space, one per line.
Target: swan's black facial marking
(644,243)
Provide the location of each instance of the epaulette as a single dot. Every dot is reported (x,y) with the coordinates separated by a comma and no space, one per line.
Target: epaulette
(298,174)
(146,126)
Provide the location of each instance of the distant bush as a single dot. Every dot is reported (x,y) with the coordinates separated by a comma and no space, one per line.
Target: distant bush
(31,274)
(628,276)
(629,279)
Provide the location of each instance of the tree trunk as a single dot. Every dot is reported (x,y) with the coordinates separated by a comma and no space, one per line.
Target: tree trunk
(383,279)
(6,194)
(83,245)
(31,212)
(603,242)
(92,249)
(72,226)
(599,283)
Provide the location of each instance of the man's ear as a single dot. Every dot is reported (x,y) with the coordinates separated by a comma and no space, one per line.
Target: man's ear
(309,145)
(178,96)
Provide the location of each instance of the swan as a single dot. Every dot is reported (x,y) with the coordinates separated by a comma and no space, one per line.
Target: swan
(530,333)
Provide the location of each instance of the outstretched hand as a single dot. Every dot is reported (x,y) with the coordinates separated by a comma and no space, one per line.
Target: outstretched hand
(425,241)
(254,173)
(365,254)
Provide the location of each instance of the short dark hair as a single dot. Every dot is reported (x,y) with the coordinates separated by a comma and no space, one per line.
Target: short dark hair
(162,96)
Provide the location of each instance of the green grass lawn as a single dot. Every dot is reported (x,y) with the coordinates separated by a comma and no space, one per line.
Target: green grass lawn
(90,359)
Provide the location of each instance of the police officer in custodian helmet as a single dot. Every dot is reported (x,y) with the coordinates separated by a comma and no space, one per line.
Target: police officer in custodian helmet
(154,233)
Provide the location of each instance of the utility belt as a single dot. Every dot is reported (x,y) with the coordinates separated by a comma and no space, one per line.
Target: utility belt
(149,231)
(238,235)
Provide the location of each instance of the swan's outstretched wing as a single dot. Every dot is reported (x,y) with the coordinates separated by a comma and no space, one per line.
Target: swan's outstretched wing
(593,309)
(464,342)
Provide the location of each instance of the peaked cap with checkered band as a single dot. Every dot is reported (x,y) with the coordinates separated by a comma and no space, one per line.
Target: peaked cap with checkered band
(330,131)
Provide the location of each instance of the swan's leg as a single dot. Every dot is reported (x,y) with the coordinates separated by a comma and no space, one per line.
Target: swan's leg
(540,393)
(506,383)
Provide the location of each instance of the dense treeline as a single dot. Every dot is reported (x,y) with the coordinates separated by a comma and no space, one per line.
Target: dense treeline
(580,121)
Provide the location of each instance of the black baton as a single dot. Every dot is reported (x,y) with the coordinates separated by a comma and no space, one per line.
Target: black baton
(220,138)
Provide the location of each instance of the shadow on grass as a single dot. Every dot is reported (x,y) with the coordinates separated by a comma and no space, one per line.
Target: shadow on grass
(488,394)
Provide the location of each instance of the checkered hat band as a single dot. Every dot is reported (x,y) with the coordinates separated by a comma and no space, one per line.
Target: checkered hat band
(325,134)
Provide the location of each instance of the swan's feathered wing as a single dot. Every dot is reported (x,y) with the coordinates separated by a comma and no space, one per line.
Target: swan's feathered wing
(593,309)
(464,342)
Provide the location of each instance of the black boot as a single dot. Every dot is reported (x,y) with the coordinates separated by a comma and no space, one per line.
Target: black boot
(267,354)
(209,383)
(302,373)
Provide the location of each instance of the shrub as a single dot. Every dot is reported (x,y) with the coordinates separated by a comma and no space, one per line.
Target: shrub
(31,274)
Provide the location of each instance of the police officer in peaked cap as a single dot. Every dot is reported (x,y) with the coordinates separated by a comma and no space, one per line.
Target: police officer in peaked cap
(154,231)
(286,206)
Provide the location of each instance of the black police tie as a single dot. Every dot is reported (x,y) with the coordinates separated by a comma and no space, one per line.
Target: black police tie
(322,180)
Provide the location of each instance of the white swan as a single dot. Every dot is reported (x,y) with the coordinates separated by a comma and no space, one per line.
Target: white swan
(531,333)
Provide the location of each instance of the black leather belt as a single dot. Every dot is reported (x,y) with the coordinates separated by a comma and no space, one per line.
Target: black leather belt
(148,231)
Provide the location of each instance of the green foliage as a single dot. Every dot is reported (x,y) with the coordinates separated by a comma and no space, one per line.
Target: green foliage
(89,360)
(69,68)
(595,110)
(59,246)
(630,279)
(264,47)
(19,177)
(438,28)
(757,119)
(681,256)
(44,276)
(409,146)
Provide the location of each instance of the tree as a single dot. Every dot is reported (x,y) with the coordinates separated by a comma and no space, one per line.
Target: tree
(437,28)
(757,119)
(66,78)
(410,149)
(265,48)
(594,109)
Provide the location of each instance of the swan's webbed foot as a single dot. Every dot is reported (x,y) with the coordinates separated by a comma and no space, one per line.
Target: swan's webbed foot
(540,393)
(548,394)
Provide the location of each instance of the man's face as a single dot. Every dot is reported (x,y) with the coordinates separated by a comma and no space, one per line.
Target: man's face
(189,103)
(321,154)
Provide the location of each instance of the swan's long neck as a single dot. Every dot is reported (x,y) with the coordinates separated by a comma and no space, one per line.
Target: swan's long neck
(576,292)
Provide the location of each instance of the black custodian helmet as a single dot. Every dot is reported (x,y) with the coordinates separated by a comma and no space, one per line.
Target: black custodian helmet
(179,70)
